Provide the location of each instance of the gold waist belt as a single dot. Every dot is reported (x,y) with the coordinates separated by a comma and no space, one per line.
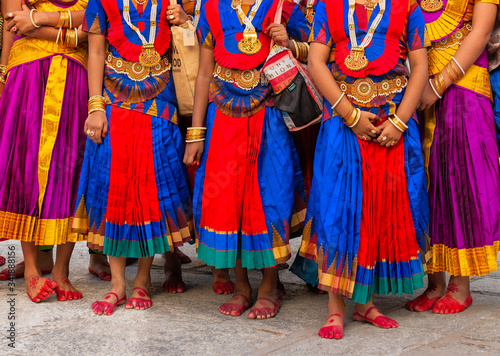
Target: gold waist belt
(136,71)
(243,79)
(364,90)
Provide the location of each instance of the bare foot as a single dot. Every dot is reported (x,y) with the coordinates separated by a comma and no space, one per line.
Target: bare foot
(45,262)
(99,266)
(106,305)
(237,304)
(182,256)
(266,306)
(173,282)
(64,289)
(369,313)
(457,297)
(222,283)
(39,288)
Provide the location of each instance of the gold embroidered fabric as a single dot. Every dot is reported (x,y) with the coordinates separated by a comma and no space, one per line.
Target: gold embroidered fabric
(243,79)
(364,90)
(136,71)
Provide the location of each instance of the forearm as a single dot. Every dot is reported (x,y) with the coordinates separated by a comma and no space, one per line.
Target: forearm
(474,44)
(326,83)
(8,38)
(201,93)
(96,64)
(416,84)
(51,19)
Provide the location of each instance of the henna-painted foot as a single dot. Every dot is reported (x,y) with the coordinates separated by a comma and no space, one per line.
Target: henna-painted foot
(66,291)
(173,282)
(222,283)
(39,288)
(333,327)
(421,303)
(108,304)
(236,305)
(99,266)
(449,305)
(182,256)
(372,315)
(2,260)
(19,272)
(139,300)
(265,308)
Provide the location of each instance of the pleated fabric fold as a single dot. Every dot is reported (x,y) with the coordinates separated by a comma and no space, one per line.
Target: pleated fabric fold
(464,185)
(365,224)
(249,192)
(134,197)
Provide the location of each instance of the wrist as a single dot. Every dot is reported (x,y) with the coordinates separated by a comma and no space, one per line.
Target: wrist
(39,18)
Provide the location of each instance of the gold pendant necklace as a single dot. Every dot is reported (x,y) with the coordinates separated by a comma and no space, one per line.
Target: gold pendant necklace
(250,43)
(431,5)
(148,57)
(356,60)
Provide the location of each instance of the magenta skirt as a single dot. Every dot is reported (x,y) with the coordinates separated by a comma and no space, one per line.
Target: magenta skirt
(464,186)
(25,213)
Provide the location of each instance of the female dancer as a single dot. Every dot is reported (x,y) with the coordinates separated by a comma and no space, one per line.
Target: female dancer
(367,211)
(249,176)
(42,142)
(460,153)
(134,198)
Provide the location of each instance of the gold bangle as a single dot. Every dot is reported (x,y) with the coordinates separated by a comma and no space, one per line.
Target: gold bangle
(400,125)
(95,109)
(64,19)
(352,118)
(441,82)
(3,79)
(437,85)
(356,119)
(455,69)
(450,74)
(350,115)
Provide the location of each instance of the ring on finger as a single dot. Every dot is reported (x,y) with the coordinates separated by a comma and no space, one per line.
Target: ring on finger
(90,133)
(14,29)
(393,143)
(373,131)
(170,12)
(384,138)
(363,138)
(171,17)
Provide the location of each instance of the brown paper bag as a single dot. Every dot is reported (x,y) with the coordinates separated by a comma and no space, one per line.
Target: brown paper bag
(185,63)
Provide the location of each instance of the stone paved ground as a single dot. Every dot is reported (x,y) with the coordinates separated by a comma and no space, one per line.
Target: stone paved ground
(190,324)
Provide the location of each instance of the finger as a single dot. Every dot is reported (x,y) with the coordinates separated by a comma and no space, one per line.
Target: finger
(10,24)
(172,7)
(24,7)
(198,157)
(9,16)
(271,26)
(363,137)
(105,128)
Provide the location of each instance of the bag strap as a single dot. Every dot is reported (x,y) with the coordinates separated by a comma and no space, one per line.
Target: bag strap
(277,18)
(196,15)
